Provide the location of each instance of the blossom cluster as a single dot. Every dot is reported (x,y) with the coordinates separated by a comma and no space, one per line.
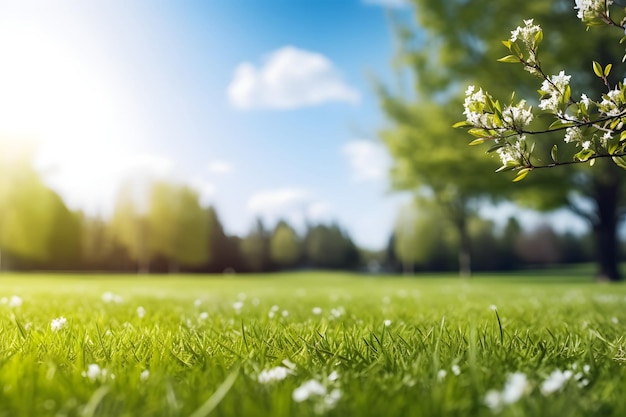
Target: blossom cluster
(554,92)
(588,9)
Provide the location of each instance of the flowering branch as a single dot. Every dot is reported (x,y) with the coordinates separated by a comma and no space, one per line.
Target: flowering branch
(596,127)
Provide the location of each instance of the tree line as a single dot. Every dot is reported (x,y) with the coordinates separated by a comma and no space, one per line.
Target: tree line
(158,226)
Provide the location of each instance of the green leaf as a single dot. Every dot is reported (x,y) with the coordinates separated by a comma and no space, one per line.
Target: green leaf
(505,168)
(538,37)
(480,133)
(619,161)
(521,174)
(559,124)
(553,153)
(516,51)
(607,70)
(584,155)
(477,142)
(463,123)
(597,69)
(508,44)
(495,147)
(567,94)
(510,58)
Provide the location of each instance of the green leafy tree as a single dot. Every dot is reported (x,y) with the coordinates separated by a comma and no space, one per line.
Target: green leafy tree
(26,207)
(130,227)
(178,225)
(458,45)
(285,245)
(328,247)
(255,248)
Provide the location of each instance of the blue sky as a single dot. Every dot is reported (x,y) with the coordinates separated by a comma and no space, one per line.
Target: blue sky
(265,107)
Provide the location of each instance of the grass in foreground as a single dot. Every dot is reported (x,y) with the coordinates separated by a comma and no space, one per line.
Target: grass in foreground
(310,344)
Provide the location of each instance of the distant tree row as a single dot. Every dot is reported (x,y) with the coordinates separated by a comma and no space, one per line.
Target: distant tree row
(425,241)
(157,226)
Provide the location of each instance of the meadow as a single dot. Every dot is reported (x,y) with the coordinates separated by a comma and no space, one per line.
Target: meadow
(311,343)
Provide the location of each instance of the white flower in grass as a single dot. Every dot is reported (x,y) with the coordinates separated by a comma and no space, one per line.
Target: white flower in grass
(387,323)
(15,301)
(285,313)
(493,307)
(109,297)
(555,381)
(144,375)
(94,372)
(141,312)
(58,324)
(275,374)
(332,398)
(203,316)
(238,305)
(614,320)
(317,311)
(333,376)
(514,388)
(441,374)
(307,390)
(197,302)
(456,370)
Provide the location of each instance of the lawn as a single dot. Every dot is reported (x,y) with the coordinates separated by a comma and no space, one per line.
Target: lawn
(310,344)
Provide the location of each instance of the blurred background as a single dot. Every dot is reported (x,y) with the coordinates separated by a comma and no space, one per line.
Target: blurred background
(248,136)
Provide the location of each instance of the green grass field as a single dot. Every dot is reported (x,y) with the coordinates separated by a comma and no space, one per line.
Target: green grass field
(311,344)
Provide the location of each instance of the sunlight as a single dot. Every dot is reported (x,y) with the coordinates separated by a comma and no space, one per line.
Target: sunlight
(73,111)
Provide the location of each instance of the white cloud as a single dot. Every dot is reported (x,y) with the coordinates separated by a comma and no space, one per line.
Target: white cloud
(289,78)
(396,4)
(296,205)
(205,189)
(369,161)
(220,167)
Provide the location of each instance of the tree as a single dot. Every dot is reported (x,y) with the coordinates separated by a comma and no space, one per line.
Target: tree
(26,207)
(284,245)
(129,226)
(178,225)
(457,49)
(328,247)
(255,248)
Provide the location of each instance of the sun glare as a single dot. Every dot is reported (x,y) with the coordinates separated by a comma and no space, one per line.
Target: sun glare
(70,108)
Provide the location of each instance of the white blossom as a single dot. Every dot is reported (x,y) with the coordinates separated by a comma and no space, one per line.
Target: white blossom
(15,301)
(275,374)
(554,88)
(307,390)
(587,8)
(555,381)
(573,134)
(58,324)
(518,116)
(514,388)
(526,34)
(456,370)
(109,297)
(144,375)
(141,312)
(94,372)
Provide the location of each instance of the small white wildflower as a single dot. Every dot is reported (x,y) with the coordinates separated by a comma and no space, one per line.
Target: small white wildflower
(333,376)
(307,390)
(586,144)
(516,385)
(15,301)
(203,316)
(585,100)
(614,320)
(387,323)
(141,312)
(144,375)
(275,374)
(317,311)
(493,399)
(238,305)
(586,369)
(555,381)
(573,134)
(109,297)
(333,397)
(493,307)
(441,374)
(284,313)
(271,314)
(456,370)
(58,324)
